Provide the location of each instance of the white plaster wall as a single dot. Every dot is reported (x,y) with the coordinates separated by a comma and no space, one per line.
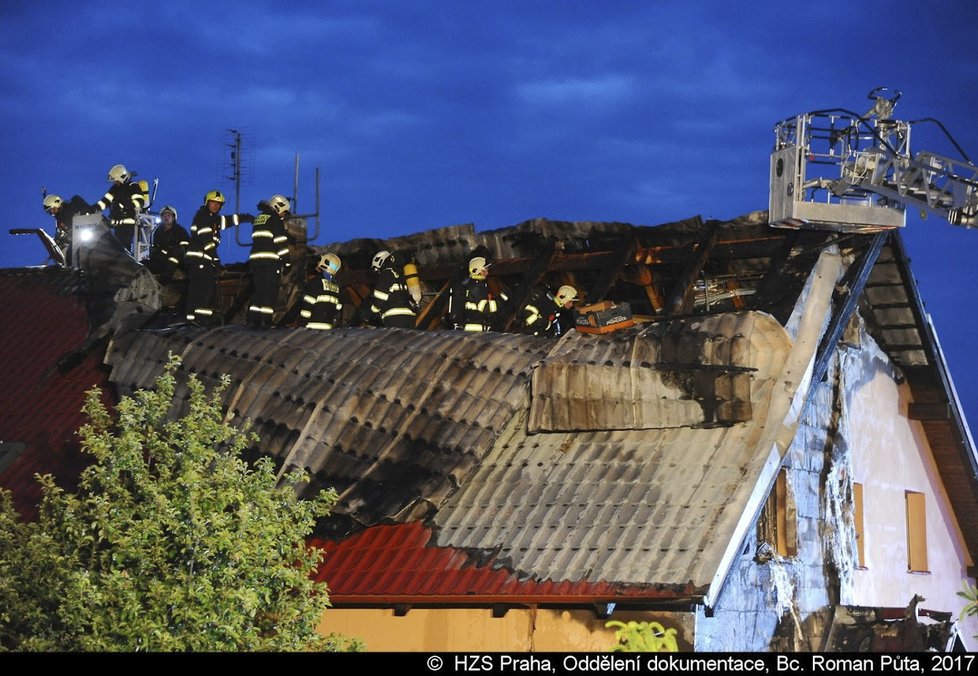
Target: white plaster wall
(890,455)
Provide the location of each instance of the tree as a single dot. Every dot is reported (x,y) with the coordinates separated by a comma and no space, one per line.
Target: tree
(172,541)
(969,594)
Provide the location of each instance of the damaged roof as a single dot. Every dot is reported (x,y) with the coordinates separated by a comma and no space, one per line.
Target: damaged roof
(631,463)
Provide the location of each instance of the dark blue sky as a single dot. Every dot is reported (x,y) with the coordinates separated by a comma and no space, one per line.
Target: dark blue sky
(421,114)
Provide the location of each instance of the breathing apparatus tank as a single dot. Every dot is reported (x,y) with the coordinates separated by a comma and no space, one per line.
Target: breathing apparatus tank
(413,283)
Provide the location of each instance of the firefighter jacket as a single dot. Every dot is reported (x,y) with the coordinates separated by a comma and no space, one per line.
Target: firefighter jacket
(268,239)
(321,304)
(473,307)
(168,250)
(539,313)
(124,201)
(205,235)
(391,304)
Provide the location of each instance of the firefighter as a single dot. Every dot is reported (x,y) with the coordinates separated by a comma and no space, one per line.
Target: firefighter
(125,199)
(564,321)
(539,313)
(170,242)
(63,213)
(321,301)
(471,305)
(269,258)
(392,305)
(202,257)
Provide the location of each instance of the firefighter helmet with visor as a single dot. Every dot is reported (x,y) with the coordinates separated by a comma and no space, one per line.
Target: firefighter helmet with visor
(52,202)
(478,268)
(329,263)
(380,258)
(566,294)
(280,204)
(119,174)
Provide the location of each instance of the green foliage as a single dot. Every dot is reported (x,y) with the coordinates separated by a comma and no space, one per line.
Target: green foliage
(643,637)
(171,543)
(969,594)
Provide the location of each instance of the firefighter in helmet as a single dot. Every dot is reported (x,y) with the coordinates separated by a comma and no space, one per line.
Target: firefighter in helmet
(202,259)
(321,304)
(63,213)
(125,199)
(269,258)
(170,242)
(391,304)
(564,321)
(547,313)
(471,305)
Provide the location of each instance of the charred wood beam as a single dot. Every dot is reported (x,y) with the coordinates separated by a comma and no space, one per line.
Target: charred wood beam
(846,302)
(244,288)
(431,315)
(681,299)
(610,274)
(642,275)
(355,297)
(774,279)
(532,276)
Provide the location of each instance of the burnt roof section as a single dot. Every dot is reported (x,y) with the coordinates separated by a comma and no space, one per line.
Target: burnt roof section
(392,419)
(413,425)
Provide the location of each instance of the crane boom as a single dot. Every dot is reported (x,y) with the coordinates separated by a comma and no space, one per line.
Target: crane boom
(838,170)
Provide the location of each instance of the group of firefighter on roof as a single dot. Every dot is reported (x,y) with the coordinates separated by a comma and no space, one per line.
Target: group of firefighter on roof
(395,301)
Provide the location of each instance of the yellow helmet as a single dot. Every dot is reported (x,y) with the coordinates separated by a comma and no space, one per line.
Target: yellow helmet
(566,293)
(329,262)
(214,196)
(478,268)
(119,174)
(52,202)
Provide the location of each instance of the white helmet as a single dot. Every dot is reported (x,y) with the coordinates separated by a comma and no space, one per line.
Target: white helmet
(379,259)
(478,268)
(329,262)
(52,202)
(119,174)
(566,293)
(170,209)
(280,204)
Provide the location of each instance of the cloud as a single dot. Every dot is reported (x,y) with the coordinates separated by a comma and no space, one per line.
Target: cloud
(592,92)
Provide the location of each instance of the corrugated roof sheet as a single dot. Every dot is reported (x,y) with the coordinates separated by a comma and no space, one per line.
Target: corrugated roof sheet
(393,419)
(690,372)
(628,505)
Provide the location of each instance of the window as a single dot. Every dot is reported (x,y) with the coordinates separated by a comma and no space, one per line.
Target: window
(916,533)
(777,523)
(857,517)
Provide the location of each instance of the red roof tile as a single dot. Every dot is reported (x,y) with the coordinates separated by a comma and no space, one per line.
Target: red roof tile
(40,406)
(390,564)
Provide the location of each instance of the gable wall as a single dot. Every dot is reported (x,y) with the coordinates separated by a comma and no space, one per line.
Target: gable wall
(890,456)
(761,591)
